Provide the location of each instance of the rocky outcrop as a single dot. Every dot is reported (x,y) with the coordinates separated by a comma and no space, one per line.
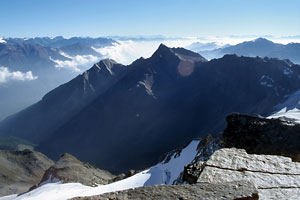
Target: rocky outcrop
(263,136)
(124,175)
(240,190)
(275,177)
(192,172)
(19,170)
(206,147)
(69,169)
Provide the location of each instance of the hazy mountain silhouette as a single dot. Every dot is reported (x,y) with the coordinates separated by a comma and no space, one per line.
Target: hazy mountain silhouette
(260,47)
(39,55)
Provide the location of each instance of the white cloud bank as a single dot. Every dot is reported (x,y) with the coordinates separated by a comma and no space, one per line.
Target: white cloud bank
(7,75)
(126,52)
(75,62)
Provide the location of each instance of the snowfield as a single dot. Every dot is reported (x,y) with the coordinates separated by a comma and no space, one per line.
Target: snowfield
(289,109)
(162,173)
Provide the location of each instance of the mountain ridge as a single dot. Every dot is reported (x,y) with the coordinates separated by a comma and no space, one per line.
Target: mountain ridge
(166,99)
(261,47)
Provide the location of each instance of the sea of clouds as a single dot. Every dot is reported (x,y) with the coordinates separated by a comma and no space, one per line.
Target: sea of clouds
(126,51)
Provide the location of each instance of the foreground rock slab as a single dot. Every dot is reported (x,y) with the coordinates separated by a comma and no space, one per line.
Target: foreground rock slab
(276,177)
(239,190)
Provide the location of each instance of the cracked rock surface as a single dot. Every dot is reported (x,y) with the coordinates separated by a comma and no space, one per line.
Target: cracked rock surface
(276,177)
(239,190)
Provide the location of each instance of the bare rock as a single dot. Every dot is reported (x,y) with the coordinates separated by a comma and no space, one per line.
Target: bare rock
(192,172)
(276,177)
(263,136)
(239,190)
(19,170)
(69,169)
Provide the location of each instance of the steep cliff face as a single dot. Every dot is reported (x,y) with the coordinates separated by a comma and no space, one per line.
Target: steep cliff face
(263,136)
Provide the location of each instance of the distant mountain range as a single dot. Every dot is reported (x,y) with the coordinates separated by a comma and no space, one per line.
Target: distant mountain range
(31,67)
(198,46)
(114,115)
(51,61)
(260,47)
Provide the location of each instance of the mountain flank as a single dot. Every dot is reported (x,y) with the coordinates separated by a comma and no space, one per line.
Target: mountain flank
(169,98)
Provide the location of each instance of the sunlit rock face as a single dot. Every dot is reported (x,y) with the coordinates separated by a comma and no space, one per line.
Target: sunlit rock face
(275,177)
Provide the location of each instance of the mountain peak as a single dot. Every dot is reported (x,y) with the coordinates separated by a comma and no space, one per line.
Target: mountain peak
(162,48)
(262,40)
(105,64)
(107,61)
(181,53)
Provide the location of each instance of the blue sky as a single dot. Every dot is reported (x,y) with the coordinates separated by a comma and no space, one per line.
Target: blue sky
(30,18)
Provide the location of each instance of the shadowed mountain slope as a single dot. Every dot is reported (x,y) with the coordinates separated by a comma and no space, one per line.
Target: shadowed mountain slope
(156,105)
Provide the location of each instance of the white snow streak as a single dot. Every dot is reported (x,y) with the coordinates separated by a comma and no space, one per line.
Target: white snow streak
(290,108)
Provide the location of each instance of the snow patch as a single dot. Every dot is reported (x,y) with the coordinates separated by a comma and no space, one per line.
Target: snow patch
(289,109)
(266,81)
(147,83)
(9,197)
(167,173)
(287,71)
